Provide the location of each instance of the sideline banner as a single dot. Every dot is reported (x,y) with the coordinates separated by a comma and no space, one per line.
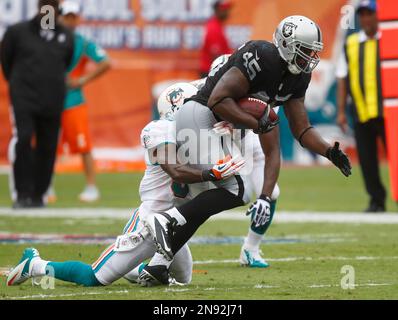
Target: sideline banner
(388,15)
(153,41)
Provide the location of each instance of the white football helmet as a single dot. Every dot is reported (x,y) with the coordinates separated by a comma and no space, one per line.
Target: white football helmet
(299,41)
(173,98)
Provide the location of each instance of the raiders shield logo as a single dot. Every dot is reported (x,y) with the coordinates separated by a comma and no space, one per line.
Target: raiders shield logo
(288,29)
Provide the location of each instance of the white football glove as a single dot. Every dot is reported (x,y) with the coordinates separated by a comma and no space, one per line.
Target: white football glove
(260,211)
(224,169)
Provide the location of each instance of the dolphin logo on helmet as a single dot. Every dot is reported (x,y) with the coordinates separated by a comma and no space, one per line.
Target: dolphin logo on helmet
(172,99)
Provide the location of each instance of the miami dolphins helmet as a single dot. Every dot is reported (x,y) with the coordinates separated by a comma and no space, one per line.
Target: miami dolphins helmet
(171,99)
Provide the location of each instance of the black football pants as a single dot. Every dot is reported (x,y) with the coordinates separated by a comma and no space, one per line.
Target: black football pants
(32,151)
(366,136)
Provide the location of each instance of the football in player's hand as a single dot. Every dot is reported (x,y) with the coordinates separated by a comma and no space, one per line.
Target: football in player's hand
(257,108)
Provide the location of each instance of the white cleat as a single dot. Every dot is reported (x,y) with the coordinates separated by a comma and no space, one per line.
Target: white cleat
(252,259)
(23,271)
(90,194)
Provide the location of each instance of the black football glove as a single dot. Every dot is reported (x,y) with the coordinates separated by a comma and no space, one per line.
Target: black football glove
(266,125)
(339,159)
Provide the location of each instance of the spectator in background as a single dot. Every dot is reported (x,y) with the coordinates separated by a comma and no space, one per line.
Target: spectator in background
(75,129)
(358,74)
(35,56)
(215,41)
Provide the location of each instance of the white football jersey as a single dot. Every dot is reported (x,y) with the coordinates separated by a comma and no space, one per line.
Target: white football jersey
(155,188)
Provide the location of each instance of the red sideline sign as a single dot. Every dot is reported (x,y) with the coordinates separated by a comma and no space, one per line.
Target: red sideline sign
(388,16)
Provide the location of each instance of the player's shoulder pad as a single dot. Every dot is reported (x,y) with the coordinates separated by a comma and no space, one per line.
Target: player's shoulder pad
(267,51)
(157,133)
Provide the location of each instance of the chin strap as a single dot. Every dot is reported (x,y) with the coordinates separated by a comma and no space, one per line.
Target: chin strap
(293,69)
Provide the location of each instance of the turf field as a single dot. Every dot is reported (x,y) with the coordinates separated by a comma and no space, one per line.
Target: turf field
(306,257)
(312,188)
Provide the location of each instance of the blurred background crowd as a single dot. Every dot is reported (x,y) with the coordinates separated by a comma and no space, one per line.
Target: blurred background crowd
(134,49)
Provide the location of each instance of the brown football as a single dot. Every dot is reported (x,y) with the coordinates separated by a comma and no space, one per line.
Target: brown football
(256,107)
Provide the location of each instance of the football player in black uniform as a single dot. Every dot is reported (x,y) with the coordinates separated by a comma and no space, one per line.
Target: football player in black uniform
(280,73)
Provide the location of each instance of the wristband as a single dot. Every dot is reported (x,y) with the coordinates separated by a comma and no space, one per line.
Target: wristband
(303,134)
(265,198)
(208,175)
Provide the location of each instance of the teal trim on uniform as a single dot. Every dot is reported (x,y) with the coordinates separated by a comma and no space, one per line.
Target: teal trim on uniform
(136,224)
(83,48)
(109,255)
(73,271)
(253,263)
(180,190)
(128,225)
(263,229)
(142,267)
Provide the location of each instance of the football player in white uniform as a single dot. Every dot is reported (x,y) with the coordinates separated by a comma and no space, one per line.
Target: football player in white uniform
(158,191)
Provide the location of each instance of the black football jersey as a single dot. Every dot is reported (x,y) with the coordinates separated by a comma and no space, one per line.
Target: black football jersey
(266,72)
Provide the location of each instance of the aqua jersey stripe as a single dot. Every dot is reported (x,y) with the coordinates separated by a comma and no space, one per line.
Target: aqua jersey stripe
(134,219)
(104,260)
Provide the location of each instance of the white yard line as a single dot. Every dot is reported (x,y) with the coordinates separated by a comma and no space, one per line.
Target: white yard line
(74,213)
(4,270)
(68,295)
(182,290)
(317,286)
(294,259)
(280,217)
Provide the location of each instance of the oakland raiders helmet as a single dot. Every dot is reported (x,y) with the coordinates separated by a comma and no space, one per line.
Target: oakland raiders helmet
(299,41)
(173,98)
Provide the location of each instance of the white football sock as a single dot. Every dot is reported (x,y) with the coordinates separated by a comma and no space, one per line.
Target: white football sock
(39,267)
(159,260)
(253,240)
(174,213)
(133,275)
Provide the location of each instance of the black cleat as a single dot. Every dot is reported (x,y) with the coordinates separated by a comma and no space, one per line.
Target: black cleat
(38,203)
(375,208)
(154,276)
(25,203)
(161,226)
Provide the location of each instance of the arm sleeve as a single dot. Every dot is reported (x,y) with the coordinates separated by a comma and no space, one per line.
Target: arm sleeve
(7,53)
(342,66)
(95,52)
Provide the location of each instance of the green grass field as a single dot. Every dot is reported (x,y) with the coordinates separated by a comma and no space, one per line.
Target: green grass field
(313,188)
(306,258)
